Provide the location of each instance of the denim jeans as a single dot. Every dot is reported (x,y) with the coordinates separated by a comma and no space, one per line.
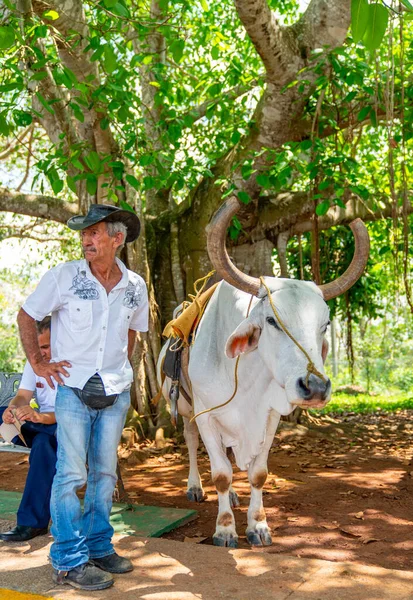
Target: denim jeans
(85,435)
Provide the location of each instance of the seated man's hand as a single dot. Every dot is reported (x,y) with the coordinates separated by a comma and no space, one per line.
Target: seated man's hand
(8,415)
(27,413)
(52,369)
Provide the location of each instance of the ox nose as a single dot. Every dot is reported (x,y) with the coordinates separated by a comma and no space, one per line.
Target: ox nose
(313,389)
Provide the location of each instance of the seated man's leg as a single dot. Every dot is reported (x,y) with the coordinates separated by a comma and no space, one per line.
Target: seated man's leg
(34,509)
(102,477)
(69,549)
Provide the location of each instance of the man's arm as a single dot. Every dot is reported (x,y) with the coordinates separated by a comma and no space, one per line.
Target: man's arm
(22,398)
(42,368)
(27,413)
(131,342)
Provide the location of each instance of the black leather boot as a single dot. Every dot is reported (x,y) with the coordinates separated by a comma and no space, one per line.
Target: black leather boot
(22,533)
(113,563)
(84,577)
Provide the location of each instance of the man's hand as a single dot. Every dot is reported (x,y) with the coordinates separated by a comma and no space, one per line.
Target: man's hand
(27,413)
(8,415)
(49,370)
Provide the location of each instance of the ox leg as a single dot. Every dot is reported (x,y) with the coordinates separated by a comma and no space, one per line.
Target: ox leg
(194,492)
(233,497)
(221,472)
(258,532)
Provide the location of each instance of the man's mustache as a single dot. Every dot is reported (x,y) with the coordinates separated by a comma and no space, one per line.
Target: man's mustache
(89,249)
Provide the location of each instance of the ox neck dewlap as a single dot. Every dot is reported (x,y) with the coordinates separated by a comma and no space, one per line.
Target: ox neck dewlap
(311,368)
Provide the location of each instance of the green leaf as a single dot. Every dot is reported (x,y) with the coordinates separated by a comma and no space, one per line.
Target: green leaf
(407,4)
(235,137)
(244,197)
(133,182)
(120,10)
(110,60)
(93,161)
(363,114)
(215,52)
(204,5)
(177,49)
(306,144)
(110,3)
(6,37)
(45,103)
(57,185)
(71,183)
(4,127)
(378,17)
(322,208)
(126,206)
(22,118)
(359,18)
(91,184)
(51,14)
(77,164)
(263,180)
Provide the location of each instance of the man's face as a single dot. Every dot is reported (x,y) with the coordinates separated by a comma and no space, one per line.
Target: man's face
(44,343)
(97,243)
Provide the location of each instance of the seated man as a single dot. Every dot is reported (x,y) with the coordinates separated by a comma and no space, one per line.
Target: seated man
(39,431)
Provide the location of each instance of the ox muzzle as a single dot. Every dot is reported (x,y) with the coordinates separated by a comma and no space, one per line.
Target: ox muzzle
(312,393)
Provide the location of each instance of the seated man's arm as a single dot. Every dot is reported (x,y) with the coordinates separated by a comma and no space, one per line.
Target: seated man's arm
(27,413)
(22,398)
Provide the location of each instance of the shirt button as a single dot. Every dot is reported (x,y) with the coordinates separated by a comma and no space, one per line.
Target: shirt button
(100,349)
(128,317)
(104,327)
(78,309)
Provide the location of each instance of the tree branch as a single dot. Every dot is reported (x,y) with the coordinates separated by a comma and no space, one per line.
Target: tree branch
(43,207)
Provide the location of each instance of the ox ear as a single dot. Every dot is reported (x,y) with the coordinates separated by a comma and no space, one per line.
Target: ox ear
(324,350)
(244,339)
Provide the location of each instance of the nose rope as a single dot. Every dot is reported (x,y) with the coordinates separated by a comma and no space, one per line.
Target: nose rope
(311,368)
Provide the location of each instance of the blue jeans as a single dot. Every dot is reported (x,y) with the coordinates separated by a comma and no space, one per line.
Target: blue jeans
(34,509)
(85,435)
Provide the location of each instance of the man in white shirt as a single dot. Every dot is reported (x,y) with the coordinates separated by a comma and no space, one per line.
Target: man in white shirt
(39,432)
(97,307)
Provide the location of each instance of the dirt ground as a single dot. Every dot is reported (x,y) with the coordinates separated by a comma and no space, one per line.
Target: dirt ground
(339,490)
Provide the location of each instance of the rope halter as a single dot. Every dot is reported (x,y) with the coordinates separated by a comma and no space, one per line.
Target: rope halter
(311,368)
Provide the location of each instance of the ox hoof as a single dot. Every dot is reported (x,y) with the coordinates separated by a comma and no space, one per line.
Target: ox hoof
(259,537)
(229,540)
(233,499)
(195,494)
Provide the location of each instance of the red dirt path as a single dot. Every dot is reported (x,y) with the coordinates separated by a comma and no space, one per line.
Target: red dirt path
(342,491)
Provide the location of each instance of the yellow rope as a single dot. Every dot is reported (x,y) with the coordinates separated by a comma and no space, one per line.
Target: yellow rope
(311,368)
(235,377)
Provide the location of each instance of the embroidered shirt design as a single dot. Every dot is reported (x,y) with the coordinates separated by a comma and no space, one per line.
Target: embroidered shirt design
(84,287)
(133,295)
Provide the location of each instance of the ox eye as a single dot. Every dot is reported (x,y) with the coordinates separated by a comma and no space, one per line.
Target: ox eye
(273,322)
(324,327)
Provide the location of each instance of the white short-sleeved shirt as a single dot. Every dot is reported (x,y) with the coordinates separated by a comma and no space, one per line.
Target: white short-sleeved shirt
(89,326)
(31,382)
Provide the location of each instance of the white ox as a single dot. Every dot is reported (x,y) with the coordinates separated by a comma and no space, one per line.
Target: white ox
(273,375)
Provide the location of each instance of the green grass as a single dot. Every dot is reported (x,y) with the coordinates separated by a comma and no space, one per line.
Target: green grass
(363,403)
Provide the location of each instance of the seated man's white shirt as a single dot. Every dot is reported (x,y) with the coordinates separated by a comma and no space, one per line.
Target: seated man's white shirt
(45,395)
(89,326)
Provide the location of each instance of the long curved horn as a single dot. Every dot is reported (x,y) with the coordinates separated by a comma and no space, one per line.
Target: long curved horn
(358,264)
(216,235)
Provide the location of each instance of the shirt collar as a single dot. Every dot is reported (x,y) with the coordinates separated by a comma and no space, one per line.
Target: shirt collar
(123,283)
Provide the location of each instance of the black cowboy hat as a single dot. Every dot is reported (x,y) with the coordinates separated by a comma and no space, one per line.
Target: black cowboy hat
(107,213)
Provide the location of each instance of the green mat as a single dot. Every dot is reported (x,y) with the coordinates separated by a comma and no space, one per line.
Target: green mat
(144,521)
